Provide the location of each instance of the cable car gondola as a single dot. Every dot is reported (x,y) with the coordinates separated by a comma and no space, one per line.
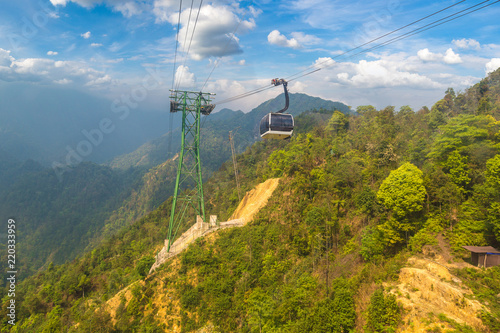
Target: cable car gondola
(277,125)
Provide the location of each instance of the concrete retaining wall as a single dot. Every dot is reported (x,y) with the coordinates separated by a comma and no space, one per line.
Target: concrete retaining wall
(199,229)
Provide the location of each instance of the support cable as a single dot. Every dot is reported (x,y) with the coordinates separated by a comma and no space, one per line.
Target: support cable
(406,35)
(414,32)
(176,43)
(427,27)
(375,39)
(191,39)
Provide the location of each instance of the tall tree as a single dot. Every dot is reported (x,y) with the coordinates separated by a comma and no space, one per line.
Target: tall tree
(403,194)
(403,191)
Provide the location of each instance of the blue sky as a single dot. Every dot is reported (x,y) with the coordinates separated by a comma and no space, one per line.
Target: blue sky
(115,48)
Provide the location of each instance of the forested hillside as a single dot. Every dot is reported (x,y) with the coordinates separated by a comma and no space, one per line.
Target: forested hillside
(358,195)
(56,220)
(63,212)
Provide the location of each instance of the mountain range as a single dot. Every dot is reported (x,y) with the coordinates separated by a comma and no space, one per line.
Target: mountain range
(64,211)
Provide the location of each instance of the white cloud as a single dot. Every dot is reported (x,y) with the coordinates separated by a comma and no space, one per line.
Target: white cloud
(114,61)
(218,22)
(241,62)
(492,65)
(449,57)
(297,87)
(298,40)
(96,44)
(467,43)
(59,2)
(383,73)
(255,12)
(229,88)
(379,73)
(214,35)
(184,78)
(344,77)
(106,61)
(48,71)
(162,9)
(86,35)
(128,9)
(276,38)
(50,53)
(304,39)
(98,80)
(323,62)
(388,79)
(427,55)
(165,9)
(53,15)
(63,81)
(33,66)
(5,58)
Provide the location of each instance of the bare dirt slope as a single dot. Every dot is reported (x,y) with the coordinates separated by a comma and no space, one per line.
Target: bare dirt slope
(427,289)
(255,199)
(114,302)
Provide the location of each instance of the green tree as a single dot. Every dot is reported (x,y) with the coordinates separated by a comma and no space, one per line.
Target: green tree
(386,122)
(366,201)
(334,314)
(405,114)
(439,113)
(457,168)
(403,191)
(372,244)
(466,134)
(493,172)
(259,310)
(338,123)
(493,189)
(144,265)
(384,313)
(485,106)
(366,110)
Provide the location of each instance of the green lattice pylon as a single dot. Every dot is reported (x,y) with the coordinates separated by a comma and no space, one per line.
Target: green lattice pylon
(192,105)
